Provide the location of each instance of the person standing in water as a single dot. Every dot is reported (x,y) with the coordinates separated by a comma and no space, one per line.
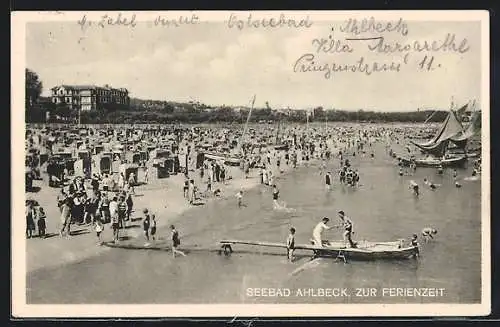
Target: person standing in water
(414,187)
(328,180)
(440,170)
(290,244)
(276,193)
(176,242)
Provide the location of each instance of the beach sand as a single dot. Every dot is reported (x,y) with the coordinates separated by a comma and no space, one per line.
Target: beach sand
(164,198)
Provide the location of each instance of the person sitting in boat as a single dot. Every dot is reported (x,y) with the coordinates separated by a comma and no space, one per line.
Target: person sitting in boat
(457,184)
(318,230)
(427,233)
(347,225)
(400,171)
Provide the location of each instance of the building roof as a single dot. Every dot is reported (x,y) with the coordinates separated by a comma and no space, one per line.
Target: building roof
(88,87)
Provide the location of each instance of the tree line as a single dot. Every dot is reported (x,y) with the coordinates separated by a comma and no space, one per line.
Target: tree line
(41,110)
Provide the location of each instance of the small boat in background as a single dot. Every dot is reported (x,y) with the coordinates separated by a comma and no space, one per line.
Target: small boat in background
(230,160)
(434,162)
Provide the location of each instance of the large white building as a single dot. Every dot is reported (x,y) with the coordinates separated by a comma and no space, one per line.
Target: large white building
(90,97)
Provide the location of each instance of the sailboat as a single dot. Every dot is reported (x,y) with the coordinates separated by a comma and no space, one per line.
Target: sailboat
(234,159)
(451,135)
(460,142)
(278,144)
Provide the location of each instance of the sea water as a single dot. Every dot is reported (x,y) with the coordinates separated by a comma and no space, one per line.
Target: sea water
(382,208)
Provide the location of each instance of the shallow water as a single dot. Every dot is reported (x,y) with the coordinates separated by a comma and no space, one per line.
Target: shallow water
(382,209)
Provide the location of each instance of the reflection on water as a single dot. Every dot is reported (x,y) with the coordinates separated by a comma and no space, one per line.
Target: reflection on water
(382,209)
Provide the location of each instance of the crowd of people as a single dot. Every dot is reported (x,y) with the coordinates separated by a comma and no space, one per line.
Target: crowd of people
(94,204)
(98,199)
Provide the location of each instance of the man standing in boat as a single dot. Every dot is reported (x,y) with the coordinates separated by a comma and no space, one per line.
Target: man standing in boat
(347,225)
(318,230)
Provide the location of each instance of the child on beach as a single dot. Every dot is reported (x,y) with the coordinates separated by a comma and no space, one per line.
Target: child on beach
(42,225)
(30,221)
(239,196)
(115,219)
(185,188)
(99,227)
(209,183)
(146,222)
(176,242)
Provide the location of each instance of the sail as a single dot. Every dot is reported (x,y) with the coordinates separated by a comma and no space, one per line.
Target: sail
(461,111)
(460,139)
(245,129)
(438,144)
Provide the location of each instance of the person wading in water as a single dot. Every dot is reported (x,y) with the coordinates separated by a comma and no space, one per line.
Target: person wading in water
(176,242)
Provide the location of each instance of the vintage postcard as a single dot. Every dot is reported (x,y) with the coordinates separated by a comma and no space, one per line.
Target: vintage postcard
(250,164)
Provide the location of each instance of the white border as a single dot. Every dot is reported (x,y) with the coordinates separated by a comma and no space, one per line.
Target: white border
(21,309)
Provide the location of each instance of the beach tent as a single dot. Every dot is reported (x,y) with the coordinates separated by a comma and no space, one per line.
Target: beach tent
(81,166)
(103,163)
(83,154)
(127,169)
(141,175)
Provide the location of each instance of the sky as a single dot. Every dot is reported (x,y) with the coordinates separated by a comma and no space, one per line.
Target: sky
(213,64)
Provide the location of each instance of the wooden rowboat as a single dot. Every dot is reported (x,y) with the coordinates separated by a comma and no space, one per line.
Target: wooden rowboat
(436,162)
(364,250)
(227,159)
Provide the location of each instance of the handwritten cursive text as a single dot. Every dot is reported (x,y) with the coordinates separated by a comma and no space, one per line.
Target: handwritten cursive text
(181,20)
(330,45)
(107,20)
(282,21)
(307,64)
(353,26)
(448,44)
